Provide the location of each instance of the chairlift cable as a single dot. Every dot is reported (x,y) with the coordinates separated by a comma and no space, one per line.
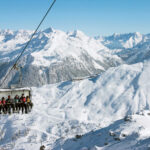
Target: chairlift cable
(15,64)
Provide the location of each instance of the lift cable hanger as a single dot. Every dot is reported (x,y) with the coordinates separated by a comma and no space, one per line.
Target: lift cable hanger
(15,63)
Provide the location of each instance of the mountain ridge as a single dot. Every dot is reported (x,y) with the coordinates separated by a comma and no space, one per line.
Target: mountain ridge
(52,53)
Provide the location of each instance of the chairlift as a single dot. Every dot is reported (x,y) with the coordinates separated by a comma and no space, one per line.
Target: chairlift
(15,100)
(16,89)
(13,91)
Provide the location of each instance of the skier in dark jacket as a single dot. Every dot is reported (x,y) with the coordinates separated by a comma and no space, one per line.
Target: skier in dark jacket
(8,104)
(12,102)
(17,103)
(4,107)
(1,106)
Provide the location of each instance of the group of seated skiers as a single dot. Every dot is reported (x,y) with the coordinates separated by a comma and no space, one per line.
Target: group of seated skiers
(10,105)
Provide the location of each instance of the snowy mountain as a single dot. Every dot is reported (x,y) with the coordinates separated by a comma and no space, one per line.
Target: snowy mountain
(122,41)
(131,48)
(108,111)
(53,56)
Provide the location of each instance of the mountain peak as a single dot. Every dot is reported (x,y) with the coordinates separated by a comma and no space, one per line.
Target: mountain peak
(137,34)
(48,30)
(116,34)
(8,31)
(77,34)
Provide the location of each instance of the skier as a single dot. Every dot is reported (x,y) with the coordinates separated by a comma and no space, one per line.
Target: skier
(12,104)
(29,103)
(17,104)
(8,104)
(1,106)
(23,105)
(4,107)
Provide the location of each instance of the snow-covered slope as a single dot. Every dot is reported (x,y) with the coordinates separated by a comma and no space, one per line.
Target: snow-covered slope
(79,115)
(92,108)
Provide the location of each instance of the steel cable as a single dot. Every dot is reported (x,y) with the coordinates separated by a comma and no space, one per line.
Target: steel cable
(15,63)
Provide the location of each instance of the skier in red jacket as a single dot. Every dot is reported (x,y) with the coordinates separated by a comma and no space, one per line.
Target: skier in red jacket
(23,103)
(4,105)
(1,106)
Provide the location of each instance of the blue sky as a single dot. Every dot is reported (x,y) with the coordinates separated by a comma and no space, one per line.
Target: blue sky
(94,17)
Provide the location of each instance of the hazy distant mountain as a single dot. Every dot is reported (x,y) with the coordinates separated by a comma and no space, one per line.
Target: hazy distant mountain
(120,41)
